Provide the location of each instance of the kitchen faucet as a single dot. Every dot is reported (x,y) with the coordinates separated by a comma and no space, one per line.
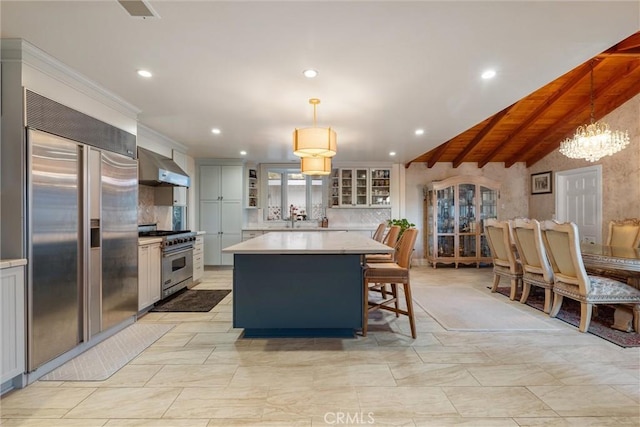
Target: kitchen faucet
(292,211)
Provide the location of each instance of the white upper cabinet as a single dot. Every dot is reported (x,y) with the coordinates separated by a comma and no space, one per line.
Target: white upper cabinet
(360,187)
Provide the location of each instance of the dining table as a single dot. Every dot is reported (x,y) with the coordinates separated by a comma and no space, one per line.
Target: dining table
(621,263)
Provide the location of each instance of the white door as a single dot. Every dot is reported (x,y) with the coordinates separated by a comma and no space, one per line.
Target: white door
(579,200)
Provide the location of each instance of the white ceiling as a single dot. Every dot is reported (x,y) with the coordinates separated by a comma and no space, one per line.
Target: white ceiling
(386,68)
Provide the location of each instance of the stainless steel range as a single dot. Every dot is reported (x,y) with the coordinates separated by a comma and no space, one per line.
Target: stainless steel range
(177,257)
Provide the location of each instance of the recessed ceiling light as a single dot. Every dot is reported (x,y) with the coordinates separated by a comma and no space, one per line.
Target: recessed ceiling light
(144,73)
(489,74)
(419,131)
(243,153)
(310,73)
(392,153)
(215,131)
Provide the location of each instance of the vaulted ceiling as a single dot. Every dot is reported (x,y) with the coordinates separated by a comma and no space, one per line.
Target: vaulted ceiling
(534,126)
(386,68)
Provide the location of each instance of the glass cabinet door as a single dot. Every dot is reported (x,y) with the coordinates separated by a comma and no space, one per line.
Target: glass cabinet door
(380,187)
(466,207)
(445,210)
(346,186)
(430,241)
(488,209)
(361,187)
(334,188)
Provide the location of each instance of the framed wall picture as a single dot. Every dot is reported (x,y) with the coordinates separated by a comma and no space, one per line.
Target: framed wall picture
(541,183)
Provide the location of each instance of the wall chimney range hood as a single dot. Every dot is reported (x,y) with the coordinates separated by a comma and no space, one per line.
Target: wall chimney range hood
(156,170)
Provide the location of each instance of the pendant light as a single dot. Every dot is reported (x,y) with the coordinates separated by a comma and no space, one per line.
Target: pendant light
(595,140)
(315,165)
(314,141)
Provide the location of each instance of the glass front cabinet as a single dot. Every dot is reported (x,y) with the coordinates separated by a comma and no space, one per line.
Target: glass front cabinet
(360,187)
(455,210)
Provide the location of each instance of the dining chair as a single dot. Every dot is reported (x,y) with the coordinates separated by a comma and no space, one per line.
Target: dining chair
(378,235)
(502,249)
(536,270)
(572,281)
(378,275)
(624,233)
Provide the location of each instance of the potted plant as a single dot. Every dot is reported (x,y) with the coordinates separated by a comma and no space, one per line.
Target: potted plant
(403,223)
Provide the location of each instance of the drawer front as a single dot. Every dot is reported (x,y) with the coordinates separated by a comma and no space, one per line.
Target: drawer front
(198,267)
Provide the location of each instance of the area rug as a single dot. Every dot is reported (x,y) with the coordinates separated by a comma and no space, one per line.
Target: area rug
(468,309)
(192,301)
(106,358)
(600,325)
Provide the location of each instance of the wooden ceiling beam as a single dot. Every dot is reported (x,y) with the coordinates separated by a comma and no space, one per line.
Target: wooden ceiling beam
(605,109)
(575,77)
(480,136)
(630,42)
(437,153)
(625,54)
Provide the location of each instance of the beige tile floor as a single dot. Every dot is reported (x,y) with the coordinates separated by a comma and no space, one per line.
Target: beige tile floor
(202,373)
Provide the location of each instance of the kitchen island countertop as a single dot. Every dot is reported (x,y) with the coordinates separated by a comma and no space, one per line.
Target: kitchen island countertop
(301,242)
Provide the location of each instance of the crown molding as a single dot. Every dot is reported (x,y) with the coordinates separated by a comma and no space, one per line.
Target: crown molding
(19,50)
(146,132)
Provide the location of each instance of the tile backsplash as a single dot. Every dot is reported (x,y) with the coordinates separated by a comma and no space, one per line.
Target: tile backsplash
(342,217)
(149,213)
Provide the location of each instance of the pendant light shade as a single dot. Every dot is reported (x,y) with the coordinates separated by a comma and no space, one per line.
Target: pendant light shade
(315,165)
(314,141)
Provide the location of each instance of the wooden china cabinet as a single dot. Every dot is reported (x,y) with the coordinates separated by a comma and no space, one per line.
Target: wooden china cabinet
(455,210)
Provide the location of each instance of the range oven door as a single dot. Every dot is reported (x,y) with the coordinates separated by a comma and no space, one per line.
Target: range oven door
(177,270)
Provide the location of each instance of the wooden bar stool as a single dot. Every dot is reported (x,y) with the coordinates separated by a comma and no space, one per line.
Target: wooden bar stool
(378,275)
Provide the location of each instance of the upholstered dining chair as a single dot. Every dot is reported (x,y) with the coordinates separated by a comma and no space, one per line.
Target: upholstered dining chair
(505,263)
(378,275)
(572,281)
(624,233)
(536,270)
(379,233)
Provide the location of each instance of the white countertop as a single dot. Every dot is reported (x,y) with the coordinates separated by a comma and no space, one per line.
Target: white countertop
(301,242)
(200,233)
(148,240)
(306,228)
(8,263)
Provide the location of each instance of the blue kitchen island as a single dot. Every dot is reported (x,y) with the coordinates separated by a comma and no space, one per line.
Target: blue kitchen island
(300,284)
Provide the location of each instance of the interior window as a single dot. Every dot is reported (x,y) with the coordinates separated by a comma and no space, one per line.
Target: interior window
(289,192)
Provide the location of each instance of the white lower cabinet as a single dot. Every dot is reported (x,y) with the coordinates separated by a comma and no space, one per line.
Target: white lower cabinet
(198,259)
(12,332)
(149,286)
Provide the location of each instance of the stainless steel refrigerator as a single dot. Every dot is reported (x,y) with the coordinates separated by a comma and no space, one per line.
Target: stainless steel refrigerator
(82,243)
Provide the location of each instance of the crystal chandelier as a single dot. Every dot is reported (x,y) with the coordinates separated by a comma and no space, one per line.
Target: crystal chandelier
(314,141)
(595,140)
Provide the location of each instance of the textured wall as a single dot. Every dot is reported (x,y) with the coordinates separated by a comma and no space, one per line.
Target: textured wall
(513,200)
(620,172)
